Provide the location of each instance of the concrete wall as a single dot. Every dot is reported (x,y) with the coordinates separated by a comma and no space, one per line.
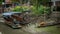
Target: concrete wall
(54,2)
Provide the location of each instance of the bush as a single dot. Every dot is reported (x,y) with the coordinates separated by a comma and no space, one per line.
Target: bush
(36,11)
(21,8)
(41,10)
(17,9)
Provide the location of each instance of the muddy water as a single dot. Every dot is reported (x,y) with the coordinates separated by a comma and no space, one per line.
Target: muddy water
(29,29)
(33,29)
(7,30)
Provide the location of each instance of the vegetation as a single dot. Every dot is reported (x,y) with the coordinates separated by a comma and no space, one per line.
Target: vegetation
(1,1)
(21,8)
(37,6)
(40,10)
(15,1)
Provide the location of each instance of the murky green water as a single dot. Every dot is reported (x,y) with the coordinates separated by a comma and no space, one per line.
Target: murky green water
(30,29)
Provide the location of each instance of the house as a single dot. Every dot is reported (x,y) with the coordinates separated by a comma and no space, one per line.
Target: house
(56,5)
(56,2)
(55,8)
(6,4)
